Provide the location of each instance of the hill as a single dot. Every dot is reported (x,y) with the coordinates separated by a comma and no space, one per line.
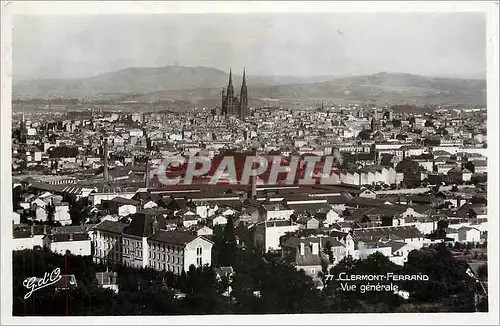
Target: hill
(142,80)
(201,86)
(381,88)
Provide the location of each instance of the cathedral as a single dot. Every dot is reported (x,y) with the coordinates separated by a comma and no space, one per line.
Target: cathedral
(231,105)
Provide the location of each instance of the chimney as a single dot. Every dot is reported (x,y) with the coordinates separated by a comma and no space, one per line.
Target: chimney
(302,249)
(105,172)
(147,176)
(254,186)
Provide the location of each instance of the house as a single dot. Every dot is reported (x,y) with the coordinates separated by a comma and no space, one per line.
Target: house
(39,207)
(306,254)
(452,233)
(309,222)
(480,166)
(407,234)
(150,204)
(61,213)
(400,251)
(276,211)
(190,219)
(16,218)
(468,234)
(218,220)
(267,234)
(108,280)
(28,237)
(367,193)
(328,216)
(203,230)
(75,243)
(120,205)
(472,211)
(226,211)
(107,242)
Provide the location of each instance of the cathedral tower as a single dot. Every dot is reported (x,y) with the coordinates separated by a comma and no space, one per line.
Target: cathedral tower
(243,107)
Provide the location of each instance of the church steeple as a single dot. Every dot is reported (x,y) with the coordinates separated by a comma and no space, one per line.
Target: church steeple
(243,97)
(230,90)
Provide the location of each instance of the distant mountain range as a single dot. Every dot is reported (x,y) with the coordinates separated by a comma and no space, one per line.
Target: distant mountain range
(201,86)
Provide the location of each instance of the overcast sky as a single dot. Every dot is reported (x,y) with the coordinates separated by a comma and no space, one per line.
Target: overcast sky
(444,44)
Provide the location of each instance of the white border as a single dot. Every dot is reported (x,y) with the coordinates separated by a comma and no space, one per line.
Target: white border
(10,8)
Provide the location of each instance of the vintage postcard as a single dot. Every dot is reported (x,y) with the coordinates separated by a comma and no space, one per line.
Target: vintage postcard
(249,162)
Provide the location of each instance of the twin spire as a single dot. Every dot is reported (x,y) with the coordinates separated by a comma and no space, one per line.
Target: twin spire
(231,76)
(231,104)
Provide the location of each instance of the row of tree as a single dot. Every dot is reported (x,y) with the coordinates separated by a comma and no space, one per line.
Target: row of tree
(261,284)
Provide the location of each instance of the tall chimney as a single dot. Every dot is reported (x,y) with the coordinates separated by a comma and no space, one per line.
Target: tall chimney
(105,172)
(147,176)
(254,186)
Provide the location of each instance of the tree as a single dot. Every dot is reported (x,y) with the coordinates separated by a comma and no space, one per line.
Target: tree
(482,271)
(407,166)
(229,247)
(76,211)
(364,134)
(51,209)
(396,123)
(448,279)
(328,251)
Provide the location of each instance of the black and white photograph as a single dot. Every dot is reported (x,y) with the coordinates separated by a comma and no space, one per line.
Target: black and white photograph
(228,162)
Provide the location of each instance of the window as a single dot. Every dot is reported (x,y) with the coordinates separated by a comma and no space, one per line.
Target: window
(198,261)
(164,266)
(199,251)
(163,257)
(154,255)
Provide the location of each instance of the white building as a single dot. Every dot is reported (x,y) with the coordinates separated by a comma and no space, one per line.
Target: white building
(272,212)
(76,244)
(61,213)
(16,218)
(466,234)
(218,220)
(267,234)
(28,238)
